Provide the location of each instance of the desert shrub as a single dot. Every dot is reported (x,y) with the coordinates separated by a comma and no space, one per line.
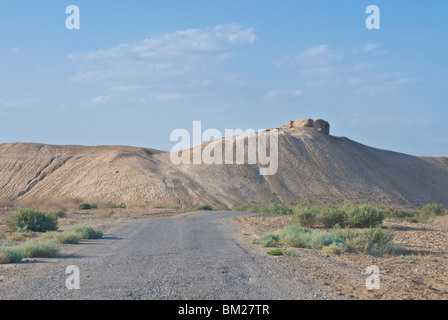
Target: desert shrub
(362,216)
(33,249)
(276,252)
(10,255)
(305,214)
(55,215)
(223,207)
(84,206)
(260,208)
(4,258)
(30,219)
(62,237)
(239,208)
(85,232)
(205,207)
(325,239)
(305,218)
(279,208)
(373,240)
(268,240)
(295,236)
(116,205)
(87,206)
(331,216)
(393,213)
(434,208)
(332,249)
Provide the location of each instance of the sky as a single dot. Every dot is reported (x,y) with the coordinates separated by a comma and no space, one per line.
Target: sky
(137,70)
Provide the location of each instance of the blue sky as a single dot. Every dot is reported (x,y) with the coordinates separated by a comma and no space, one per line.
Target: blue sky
(136,70)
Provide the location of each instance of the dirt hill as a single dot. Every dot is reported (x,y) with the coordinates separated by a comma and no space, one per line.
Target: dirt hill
(313,165)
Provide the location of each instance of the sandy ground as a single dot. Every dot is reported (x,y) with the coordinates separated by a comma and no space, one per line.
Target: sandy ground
(420,273)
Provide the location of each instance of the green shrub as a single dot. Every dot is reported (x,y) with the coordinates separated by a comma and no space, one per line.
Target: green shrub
(276,252)
(367,240)
(348,215)
(373,240)
(55,215)
(239,208)
(325,239)
(87,206)
(280,208)
(84,206)
(223,207)
(62,237)
(362,216)
(31,219)
(10,255)
(305,218)
(268,240)
(117,205)
(434,208)
(295,236)
(332,249)
(331,216)
(85,232)
(393,213)
(205,207)
(33,249)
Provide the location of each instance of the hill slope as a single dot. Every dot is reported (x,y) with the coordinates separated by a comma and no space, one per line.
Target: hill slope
(313,165)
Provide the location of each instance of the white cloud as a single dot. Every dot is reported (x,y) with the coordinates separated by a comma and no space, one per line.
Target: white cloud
(99,100)
(321,66)
(21,102)
(371,46)
(281,94)
(168,96)
(318,56)
(161,58)
(386,86)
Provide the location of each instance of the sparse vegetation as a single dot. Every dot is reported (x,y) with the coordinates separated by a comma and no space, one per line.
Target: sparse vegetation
(33,249)
(206,207)
(85,232)
(116,205)
(55,215)
(274,208)
(269,240)
(63,237)
(87,206)
(276,252)
(375,241)
(25,219)
(426,214)
(329,216)
(10,255)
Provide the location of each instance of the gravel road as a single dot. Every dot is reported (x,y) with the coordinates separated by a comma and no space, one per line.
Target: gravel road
(192,257)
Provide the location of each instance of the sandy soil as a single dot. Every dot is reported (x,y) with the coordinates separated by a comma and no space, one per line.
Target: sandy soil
(421,273)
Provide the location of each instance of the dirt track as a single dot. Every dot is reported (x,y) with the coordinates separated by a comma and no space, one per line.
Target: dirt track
(192,256)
